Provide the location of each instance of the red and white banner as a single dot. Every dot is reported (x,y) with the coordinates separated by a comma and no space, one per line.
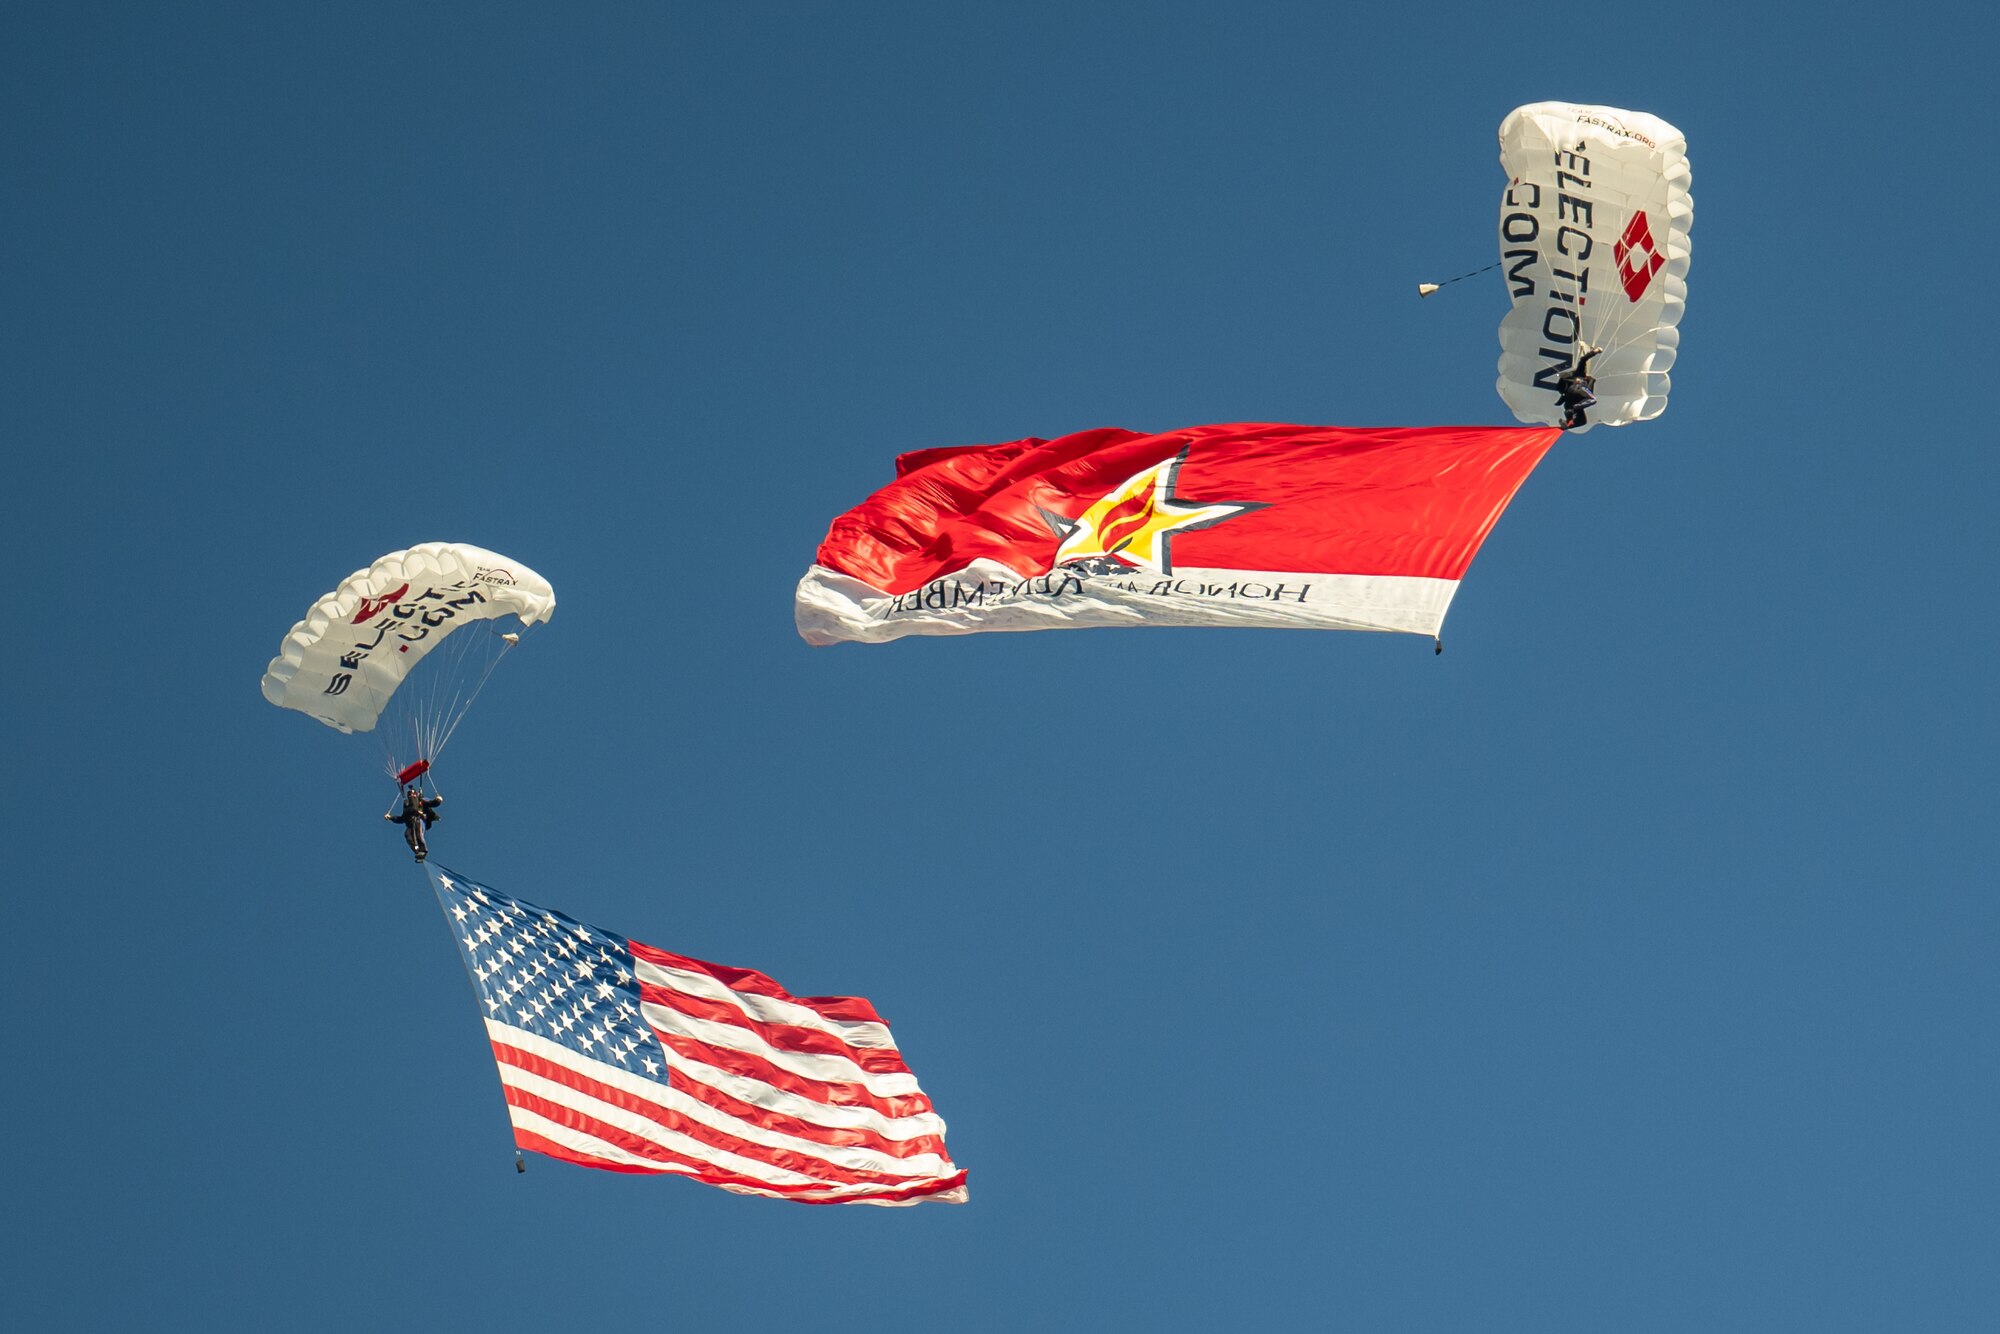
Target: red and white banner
(1251,524)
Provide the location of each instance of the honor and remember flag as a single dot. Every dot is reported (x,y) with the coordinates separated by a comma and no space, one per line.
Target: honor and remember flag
(1251,524)
(617,1055)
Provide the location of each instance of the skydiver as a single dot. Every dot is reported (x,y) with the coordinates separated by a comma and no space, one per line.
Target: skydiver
(418,814)
(1573,388)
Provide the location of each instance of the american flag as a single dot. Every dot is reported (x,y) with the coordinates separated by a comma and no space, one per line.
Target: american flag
(618,1055)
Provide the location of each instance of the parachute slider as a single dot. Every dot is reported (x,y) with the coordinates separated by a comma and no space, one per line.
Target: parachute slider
(511,638)
(416,770)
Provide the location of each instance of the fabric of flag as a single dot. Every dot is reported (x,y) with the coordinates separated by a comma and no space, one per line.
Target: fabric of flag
(618,1055)
(1250,524)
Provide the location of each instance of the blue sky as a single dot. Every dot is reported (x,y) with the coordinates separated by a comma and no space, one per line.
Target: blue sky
(1627,967)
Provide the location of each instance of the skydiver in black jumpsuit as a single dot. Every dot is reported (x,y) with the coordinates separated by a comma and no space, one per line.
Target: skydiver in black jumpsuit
(1573,390)
(418,814)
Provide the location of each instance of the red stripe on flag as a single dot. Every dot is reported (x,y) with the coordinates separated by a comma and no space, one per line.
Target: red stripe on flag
(750,1114)
(571,1119)
(834,1093)
(850,1009)
(819,1174)
(784,1037)
(529,1140)
(859,1137)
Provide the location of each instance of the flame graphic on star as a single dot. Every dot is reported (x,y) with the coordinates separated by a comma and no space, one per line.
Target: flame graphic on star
(1135,521)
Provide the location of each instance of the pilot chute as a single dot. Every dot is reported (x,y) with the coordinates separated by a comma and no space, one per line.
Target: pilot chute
(1594,250)
(404,646)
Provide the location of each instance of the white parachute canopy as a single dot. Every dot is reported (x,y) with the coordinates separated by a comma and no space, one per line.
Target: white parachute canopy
(1594,249)
(413,637)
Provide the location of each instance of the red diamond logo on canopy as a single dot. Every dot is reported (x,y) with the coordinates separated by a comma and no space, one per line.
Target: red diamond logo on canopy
(1637,257)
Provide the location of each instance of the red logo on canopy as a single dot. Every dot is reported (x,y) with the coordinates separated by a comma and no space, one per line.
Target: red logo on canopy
(1637,257)
(373,607)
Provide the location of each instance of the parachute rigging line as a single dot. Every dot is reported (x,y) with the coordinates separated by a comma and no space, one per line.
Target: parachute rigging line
(444,695)
(1425,289)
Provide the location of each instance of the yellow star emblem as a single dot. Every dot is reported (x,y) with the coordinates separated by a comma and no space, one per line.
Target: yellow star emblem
(1134,522)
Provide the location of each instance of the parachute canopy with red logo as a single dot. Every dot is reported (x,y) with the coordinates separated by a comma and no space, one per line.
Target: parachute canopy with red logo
(1594,250)
(1306,527)
(407,643)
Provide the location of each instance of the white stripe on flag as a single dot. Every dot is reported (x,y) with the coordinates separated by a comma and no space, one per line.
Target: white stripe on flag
(832,608)
(821,1068)
(850,1158)
(764,1009)
(834,1116)
(589,1146)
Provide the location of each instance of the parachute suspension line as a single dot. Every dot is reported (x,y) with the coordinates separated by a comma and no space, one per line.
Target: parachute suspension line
(449,692)
(403,727)
(401,744)
(436,697)
(1628,309)
(479,685)
(493,663)
(381,702)
(1573,289)
(1606,332)
(1591,327)
(1425,289)
(424,704)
